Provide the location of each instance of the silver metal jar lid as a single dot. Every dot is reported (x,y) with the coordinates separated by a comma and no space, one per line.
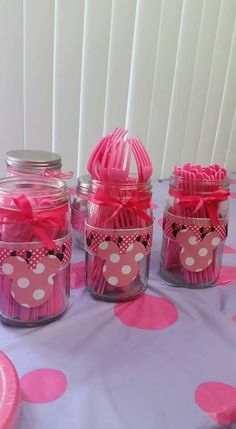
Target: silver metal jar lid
(33,161)
(83,184)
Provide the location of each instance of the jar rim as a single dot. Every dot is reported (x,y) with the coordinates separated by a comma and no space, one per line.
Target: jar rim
(83,184)
(34,187)
(131,183)
(29,160)
(221,182)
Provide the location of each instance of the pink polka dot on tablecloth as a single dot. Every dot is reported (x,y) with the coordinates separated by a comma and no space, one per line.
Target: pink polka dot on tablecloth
(227,276)
(43,385)
(234,318)
(218,401)
(160,221)
(228,249)
(147,312)
(77,274)
(233,194)
(233,181)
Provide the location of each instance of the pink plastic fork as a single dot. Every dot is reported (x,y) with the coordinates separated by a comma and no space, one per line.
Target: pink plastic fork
(143,161)
(119,165)
(98,153)
(109,155)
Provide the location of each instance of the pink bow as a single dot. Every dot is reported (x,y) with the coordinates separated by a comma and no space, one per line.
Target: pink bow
(39,221)
(196,202)
(134,204)
(47,172)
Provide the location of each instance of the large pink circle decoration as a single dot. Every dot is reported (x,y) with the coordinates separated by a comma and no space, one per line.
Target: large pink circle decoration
(229,249)
(147,312)
(218,401)
(227,276)
(233,194)
(43,385)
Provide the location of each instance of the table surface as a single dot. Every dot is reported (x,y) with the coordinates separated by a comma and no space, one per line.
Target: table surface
(164,361)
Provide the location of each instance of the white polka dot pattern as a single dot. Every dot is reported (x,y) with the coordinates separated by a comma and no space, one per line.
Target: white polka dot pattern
(126,269)
(114,257)
(31,287)
(7,268)
(39,294)
(119,270)
(203,251)
(189,261)
(23,282)
(39,268)
(196,256)
(112,280)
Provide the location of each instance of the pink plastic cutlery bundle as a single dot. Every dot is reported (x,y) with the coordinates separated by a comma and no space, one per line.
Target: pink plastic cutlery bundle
(119,223)
(195,225)
(35,250)
(112,219)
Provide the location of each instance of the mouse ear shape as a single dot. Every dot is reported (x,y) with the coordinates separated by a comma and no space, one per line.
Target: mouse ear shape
(186,237)
(106,248)
(48,264)
(211,240)
(12,266)
(136,250)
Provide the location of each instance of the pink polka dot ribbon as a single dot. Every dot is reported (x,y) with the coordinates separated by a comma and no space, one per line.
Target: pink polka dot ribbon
(123,238)
(172,224)
(33,252)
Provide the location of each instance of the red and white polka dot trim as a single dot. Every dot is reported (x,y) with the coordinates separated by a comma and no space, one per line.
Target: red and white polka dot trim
(33,255)
(173,224)
(94,237)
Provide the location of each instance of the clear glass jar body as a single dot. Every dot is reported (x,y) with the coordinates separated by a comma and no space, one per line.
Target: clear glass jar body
(35,250)
(195,226)
(79,209)
(118,240)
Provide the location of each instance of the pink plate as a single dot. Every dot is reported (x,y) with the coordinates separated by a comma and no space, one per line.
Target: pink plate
(9,394)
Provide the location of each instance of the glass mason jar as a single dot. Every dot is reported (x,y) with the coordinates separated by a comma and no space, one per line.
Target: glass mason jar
(195,226)
(118,239)
(22,162)
(35,250)
(79,209)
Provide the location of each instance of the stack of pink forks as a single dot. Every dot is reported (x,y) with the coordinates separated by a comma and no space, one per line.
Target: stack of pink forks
(109,165)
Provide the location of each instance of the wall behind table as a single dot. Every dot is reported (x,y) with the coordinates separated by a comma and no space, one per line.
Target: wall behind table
(72,70)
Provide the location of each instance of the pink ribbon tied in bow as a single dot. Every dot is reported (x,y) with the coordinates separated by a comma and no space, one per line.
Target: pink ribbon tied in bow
(135,204)
(47,172)
(209,202)
(39,221)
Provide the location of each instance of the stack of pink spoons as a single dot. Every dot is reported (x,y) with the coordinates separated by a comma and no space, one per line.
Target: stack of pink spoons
(118,232)
(195,225)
